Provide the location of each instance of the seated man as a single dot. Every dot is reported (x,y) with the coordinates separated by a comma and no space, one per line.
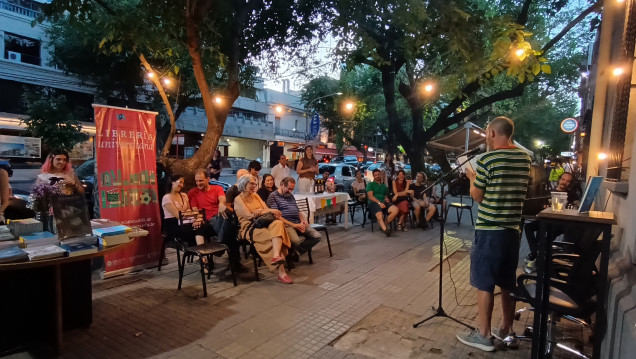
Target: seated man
(359,187)
(379,203)
(295,222)
(421,201)
(212,199)
(531,228)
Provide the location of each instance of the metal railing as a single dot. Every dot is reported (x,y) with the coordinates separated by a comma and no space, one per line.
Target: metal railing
(19,9)
(290,133)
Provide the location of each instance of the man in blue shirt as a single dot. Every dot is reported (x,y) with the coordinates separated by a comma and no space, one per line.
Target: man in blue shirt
(295,222)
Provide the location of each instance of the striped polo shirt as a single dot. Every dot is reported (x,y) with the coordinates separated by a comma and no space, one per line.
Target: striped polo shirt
(286,204)
(503,175)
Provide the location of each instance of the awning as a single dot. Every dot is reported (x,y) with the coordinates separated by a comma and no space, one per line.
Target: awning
(463,139)
(326,151)
(353,153)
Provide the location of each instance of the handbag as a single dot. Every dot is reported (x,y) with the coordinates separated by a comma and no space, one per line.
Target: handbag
(263,221)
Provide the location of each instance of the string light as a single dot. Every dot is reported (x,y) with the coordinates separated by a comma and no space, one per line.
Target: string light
(349,106)
(602,156)
(520,52)
(166,81)
(218,100)
(618,71)
(151,75)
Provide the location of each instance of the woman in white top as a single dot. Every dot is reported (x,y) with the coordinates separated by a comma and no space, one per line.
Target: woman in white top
(174,202)
(56,168)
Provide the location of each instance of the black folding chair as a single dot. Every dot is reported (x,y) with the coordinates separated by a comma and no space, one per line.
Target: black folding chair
(201,251)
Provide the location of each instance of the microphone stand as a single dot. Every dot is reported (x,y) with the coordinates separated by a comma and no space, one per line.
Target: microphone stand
(439,312)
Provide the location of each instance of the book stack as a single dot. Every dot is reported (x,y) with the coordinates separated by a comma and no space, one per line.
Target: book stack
(24,226)
(78,249)
(44,252)
(5,234)
(12,254)
(86,239)
(111,233)
(39,239)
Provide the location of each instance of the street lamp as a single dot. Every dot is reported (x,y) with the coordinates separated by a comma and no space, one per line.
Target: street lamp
(309,107)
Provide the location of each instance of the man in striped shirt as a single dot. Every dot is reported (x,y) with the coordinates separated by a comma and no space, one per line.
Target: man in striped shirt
(499,184)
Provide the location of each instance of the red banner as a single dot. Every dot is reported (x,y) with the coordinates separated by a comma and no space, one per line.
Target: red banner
(125,157)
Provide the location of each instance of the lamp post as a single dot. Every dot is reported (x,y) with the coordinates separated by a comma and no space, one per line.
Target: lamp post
(307,136)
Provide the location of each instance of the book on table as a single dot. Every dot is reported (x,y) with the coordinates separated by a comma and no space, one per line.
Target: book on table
(39,239)
(114,240)
(78,249)
(45,252)
(13,254)
(111,231)
(86,239)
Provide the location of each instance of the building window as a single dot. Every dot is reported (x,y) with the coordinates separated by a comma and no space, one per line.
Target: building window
(22,49)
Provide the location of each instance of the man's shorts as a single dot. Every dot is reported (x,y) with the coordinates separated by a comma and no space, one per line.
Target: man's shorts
(493,259)
(375,208)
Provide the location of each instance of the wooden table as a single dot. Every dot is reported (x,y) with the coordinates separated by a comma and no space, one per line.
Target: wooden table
(42,298)
(322,203)
(568,217)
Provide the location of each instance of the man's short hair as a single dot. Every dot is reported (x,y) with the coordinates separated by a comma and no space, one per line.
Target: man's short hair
(565,173)
(255,165)
(243,182)
(503,126)
(281,156)
(286,181)
(375,170)
(201,171)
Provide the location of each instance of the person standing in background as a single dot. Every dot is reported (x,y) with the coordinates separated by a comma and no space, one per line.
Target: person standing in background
(307,169)
(281,170)
(215,166)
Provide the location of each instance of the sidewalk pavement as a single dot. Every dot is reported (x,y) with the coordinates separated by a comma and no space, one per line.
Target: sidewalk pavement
(360,303)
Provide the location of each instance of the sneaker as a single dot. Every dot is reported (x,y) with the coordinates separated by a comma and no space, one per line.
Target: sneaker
(530,267)
(531,257)
(476,340)
(508,338)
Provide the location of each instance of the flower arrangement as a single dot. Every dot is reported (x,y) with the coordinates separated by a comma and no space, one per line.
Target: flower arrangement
(40,197)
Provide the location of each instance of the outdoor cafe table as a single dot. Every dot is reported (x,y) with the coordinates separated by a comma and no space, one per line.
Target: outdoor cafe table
(42,298)
(323,203)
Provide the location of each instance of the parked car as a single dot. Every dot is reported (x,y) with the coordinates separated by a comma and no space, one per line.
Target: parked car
(351,160)
(342,174)
(368,174)
(337,159)
(363,166)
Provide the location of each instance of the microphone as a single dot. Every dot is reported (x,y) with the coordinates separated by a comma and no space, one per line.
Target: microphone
(481,148)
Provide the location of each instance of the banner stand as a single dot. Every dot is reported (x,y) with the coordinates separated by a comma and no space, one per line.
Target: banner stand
(125,161)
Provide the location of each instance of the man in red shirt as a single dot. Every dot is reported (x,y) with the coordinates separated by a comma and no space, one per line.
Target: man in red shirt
(212,199)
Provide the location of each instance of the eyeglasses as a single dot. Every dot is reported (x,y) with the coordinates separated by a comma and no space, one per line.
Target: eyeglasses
(253,183)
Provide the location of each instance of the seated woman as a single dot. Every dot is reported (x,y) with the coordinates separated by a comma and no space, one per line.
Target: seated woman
(174,202)
(271,243)
(57,169)
(267,187)
(401,193)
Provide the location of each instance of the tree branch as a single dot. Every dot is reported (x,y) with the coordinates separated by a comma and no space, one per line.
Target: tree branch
(571,24)
(499,96)
(522,19)
(155,80)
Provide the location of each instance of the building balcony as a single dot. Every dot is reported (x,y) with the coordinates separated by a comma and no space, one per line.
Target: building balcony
(290,133)
(32,11)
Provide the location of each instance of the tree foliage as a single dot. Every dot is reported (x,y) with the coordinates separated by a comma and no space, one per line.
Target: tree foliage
(51,118)
(208,43)
(472,53)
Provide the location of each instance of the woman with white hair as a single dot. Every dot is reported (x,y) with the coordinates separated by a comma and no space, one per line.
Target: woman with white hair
(272,243)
